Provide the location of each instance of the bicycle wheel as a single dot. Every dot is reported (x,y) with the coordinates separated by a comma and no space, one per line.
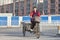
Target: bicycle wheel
(37,30)
(24,29)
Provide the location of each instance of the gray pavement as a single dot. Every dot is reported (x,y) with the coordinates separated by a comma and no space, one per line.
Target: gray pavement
(47,33)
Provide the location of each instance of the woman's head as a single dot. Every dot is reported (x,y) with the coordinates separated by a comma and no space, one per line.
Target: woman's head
(34,8)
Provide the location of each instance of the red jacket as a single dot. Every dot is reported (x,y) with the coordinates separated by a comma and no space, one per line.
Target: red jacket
(32,13)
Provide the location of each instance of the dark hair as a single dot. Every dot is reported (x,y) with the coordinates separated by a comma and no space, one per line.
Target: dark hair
(34,7)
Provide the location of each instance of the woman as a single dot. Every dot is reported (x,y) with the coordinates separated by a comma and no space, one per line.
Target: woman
(34,13)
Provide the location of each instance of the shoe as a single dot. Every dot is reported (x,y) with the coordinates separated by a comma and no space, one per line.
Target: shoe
(31,30)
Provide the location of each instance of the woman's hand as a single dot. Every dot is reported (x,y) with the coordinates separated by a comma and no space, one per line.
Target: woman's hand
(30,16)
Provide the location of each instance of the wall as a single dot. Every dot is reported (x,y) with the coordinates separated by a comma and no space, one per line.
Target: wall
(15,21)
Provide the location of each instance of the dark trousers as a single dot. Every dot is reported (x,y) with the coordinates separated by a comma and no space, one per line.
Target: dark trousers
(33,23)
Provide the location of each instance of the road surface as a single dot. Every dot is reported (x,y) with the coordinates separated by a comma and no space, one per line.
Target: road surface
(47,33)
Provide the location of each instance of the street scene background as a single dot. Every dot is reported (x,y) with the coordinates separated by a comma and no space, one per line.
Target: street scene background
(13,11)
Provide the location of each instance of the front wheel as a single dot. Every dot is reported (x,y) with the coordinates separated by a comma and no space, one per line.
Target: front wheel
(37,30)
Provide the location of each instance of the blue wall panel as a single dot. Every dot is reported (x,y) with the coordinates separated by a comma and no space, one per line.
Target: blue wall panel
(44,19)
(3,21)
(26,18)
(14,20)
(55,18)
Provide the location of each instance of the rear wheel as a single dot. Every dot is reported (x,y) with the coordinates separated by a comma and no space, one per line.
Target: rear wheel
(24,30)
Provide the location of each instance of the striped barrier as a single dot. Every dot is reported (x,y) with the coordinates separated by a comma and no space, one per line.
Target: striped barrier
(15,20)
(11,21)
(56,21)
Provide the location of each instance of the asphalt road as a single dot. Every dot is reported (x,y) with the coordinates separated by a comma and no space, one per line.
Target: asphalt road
(47,33)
